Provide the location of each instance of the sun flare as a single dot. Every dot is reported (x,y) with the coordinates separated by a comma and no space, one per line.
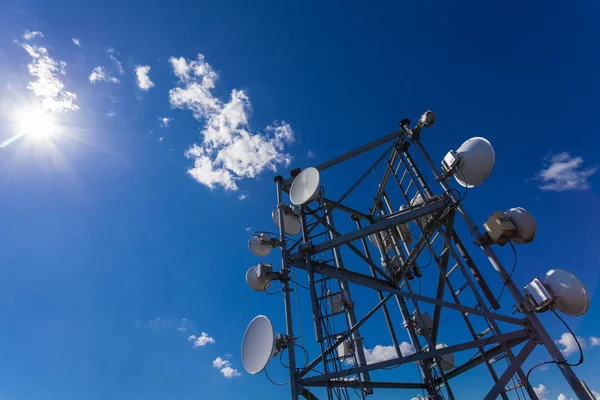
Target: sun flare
(36,123)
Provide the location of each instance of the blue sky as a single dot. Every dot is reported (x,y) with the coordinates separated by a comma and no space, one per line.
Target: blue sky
(124,233)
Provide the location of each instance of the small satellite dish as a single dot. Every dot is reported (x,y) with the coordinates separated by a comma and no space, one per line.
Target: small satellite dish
(254,282)
(524,224)
(477,159)
(258,247)
(305,187)
(447,360)
(570,294)
(258,344)
(290,221)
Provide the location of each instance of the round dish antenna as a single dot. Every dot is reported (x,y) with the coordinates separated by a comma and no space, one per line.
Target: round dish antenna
(258,344)
(524,224)
(291,224)
(255,282)
(305,187)
(476,159)
(259,245)
(569,293)
(447,360)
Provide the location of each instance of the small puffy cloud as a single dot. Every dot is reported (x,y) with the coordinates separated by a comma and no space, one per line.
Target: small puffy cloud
(228,150)
(594,341)
(203,340)
(310,154)
(192,338)
(99,74)
(76,42)
(569,344)
(118,64)
(563,397)
(242,196)
(563,172)
(47,84)
(28,35)
(224,366)
(541,391)
(143,80)
(161,139)
(111,114)
(165,121)
(383,353)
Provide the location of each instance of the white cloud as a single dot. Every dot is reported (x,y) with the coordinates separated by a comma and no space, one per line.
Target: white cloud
(224,366)
(99,74)
(596,395)
(243,196)
(76,42)
(118,64)
(159,323)
(203,340)
(570,344)
(228,151)
(165,121)
(47,84)
(111,114)
(161,139)
(541,391)
(563,397)
(192,338)
(143,80)
(562,172)
(310,154)
(594,341)
(28,35)
(383,353)
(249,228)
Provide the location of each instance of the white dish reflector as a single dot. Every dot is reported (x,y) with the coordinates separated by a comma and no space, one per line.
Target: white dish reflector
(258,344)
(305,186)
(447,360)
(257,248)
(477,159)
(525,224)
(570,294)
(255,283)
(290,222)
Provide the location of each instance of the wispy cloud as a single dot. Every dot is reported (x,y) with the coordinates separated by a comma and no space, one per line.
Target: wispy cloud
(143,80)
(118,64)
(28,35)
(541,391)
(224,366)
(76,42)
(184,325)
(562,172)
(165,121)
(228,150)
(310,154)
(242,196)
(47,84)
(159,323)
(99,74)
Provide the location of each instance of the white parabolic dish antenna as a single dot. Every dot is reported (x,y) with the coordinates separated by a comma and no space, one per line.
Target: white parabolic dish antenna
(254,282)
(258,344)
(305,187)
(570,294)
(477,160)
(257,248)
(291,225)
(525,224)
(447,362)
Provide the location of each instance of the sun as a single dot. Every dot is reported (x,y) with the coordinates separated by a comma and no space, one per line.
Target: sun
(36,124)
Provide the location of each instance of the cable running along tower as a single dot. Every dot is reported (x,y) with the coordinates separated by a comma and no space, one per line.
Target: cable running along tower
(368,264)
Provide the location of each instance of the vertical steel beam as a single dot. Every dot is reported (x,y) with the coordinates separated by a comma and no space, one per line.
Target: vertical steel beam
(294,382)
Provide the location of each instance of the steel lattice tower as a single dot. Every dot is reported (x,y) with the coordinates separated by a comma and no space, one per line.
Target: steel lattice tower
(423,195)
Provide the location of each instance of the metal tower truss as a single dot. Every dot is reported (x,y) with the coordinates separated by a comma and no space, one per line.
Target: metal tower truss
(412,218)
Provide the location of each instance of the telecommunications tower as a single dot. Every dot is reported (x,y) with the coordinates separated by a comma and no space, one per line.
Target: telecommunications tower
(367,263)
